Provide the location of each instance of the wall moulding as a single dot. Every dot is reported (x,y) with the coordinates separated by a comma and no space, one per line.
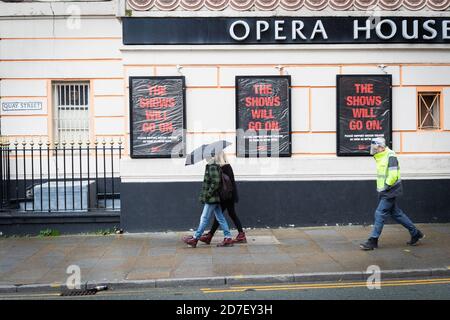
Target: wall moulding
(287,5)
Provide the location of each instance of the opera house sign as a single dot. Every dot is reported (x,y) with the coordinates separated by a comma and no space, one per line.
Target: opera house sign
(285,30)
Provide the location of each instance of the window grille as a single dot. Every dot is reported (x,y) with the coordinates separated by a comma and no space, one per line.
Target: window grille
(71,101)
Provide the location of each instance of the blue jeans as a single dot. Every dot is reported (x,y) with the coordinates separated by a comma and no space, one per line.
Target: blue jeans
(386,208)
(206,217)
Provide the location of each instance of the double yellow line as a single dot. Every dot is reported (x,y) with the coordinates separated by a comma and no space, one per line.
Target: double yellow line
(335,285)
(280,287)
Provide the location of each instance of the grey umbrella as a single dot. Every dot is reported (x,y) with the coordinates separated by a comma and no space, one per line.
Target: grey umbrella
(206,151)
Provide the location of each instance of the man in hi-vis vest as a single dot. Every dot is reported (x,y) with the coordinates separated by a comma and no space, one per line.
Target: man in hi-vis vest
(389,187)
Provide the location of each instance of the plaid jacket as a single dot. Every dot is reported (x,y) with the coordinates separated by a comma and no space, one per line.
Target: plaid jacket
(211,184)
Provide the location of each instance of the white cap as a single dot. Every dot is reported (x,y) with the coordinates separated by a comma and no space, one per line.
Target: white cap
(379,142)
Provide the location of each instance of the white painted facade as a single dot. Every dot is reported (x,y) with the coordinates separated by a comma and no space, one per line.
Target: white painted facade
(43,42)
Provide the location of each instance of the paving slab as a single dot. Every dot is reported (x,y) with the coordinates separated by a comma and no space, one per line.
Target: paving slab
(162,261)
(190,271)
(235,259)
(139,273)
(160,251)
(235,269)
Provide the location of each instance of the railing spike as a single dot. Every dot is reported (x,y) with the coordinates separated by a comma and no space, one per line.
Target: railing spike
(56,149)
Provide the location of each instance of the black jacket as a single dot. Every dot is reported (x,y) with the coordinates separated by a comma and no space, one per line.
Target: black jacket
(229,172)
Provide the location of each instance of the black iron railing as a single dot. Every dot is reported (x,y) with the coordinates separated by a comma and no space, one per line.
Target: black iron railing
(60,177)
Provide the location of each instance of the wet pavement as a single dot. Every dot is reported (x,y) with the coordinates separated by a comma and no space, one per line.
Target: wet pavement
(44,260)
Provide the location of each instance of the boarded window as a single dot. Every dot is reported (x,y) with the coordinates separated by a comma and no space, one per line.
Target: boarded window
(71,101)
(429,110)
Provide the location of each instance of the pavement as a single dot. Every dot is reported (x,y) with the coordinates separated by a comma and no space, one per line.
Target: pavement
(155,260)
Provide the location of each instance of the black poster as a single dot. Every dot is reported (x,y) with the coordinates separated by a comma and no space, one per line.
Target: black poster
(157,117)
(364,111)
(263,116)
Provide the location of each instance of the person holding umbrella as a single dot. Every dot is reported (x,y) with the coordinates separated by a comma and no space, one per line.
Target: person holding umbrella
(209,195)
(228,205)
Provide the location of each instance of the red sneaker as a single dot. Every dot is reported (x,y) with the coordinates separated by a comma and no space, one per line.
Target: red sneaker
(227,242)
(240,238)
(206,238)
(190,240)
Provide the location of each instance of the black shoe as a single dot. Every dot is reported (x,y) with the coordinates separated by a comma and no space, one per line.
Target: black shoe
(370,244)
(419,235)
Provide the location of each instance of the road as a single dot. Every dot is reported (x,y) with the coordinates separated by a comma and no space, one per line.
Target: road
(433,288)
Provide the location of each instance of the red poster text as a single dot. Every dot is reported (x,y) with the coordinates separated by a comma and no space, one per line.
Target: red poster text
(156,102)
(157,90)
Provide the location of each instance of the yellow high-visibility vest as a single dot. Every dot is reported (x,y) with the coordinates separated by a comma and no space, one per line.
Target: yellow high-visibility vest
(388,169)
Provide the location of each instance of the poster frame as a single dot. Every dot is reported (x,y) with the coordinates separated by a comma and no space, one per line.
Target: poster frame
(338,128)
(246,154)
(130,102)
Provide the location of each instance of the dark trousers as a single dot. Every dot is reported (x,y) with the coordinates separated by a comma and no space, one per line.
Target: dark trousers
(229,206)
(389,208)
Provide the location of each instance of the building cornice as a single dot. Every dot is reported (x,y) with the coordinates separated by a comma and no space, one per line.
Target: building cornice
(288,5)
(62,9)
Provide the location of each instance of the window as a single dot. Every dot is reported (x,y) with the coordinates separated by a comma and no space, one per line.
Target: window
(71,101)
(429,110)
